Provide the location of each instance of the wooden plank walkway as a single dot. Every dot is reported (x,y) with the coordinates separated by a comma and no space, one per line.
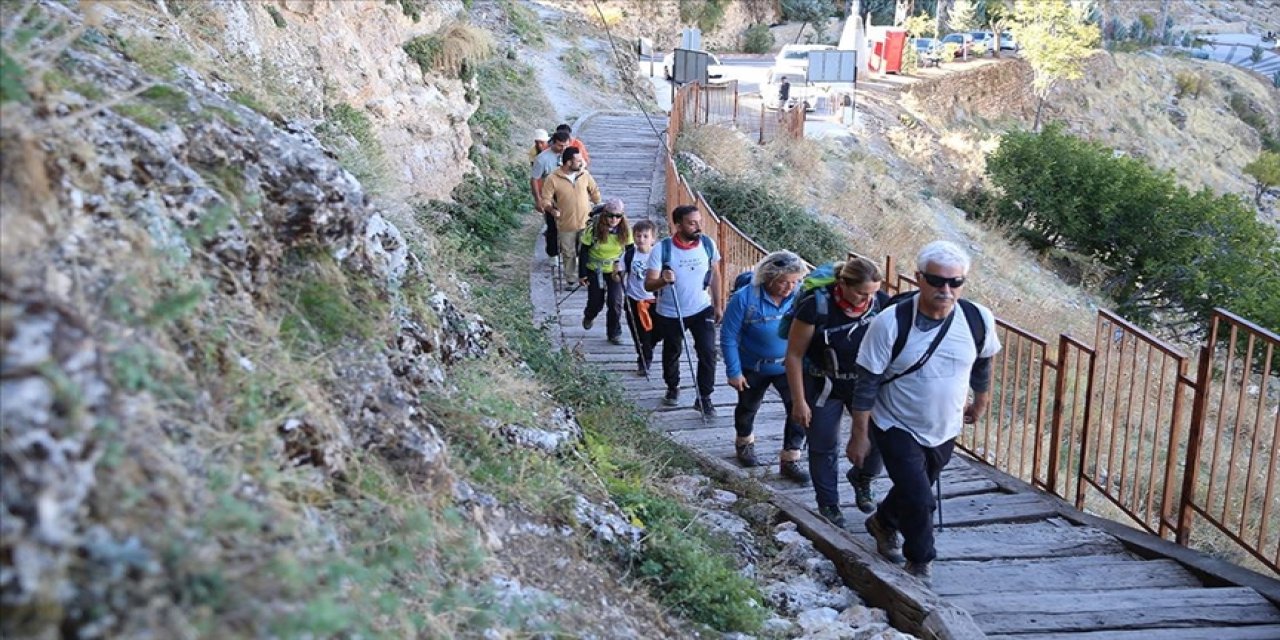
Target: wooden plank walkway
(1012,562)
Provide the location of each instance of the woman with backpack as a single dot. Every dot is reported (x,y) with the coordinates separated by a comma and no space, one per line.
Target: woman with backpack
(602,246)
(753,354)
(831,316)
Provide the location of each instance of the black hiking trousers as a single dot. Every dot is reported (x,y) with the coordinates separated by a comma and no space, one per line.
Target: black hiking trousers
(702,326)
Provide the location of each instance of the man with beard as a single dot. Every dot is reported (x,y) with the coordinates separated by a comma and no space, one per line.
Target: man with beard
(682,267)
(915,367)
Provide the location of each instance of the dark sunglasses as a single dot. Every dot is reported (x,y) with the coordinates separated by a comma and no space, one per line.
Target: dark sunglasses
(613,215)
(937,281)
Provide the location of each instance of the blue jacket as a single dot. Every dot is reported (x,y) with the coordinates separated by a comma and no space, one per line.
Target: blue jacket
(749,333)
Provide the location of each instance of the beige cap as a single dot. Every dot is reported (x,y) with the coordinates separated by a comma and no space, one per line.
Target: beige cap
(540,135)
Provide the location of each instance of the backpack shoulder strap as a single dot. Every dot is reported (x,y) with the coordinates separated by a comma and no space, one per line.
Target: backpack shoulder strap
(977,327)
(628,255)
(710,247)
(903,310)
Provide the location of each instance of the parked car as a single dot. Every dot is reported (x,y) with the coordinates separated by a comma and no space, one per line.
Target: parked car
(985,39)
(715,70)
(1007,43)
(928,51)
(963,42)
(796,56)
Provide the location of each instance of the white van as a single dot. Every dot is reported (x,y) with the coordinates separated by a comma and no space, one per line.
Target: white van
(796,56)
(800,94)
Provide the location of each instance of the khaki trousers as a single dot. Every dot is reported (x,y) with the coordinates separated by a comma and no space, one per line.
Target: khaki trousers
(569,254)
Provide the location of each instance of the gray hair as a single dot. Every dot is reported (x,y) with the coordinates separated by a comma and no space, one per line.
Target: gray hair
(777,265)
(614,205)
(943,254)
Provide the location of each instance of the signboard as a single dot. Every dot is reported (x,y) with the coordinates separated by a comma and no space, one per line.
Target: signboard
(832,66)
(644,46)
(690,66)
(691,38)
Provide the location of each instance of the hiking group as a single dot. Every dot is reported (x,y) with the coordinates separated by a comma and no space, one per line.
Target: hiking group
(829,341)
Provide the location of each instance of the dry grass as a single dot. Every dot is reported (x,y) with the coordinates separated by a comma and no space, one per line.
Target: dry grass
(451,50)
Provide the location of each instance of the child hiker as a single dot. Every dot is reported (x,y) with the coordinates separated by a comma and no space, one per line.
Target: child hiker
(639,301)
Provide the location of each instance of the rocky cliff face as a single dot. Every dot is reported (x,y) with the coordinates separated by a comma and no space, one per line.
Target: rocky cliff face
(315,54)
(203,312)
(662,20)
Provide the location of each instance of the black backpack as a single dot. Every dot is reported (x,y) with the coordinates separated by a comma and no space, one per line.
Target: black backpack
(903,312)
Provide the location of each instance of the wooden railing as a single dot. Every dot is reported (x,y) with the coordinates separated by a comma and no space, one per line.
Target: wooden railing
(1119,428)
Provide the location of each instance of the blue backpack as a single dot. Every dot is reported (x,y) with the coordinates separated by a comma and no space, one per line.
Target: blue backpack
(707,245)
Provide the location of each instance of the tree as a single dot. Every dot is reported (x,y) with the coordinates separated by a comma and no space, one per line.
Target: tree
(999,15)
(1055,39)
(809,12)
(1265,171)
(963,16)
(920,26)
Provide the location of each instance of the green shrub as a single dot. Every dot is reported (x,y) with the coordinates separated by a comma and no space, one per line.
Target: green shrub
(706,14)
(486,210)
(1189,84)
(524,22)
(1168,249)
(757,39)
(276,16)
(350,133)
(771,219)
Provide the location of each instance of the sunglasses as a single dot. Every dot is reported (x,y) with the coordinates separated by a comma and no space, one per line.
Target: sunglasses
(613,215)
(937,281)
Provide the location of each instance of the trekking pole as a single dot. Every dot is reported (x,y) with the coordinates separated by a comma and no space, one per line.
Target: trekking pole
(684,341)
(568,295)
(938,485)
(635,335)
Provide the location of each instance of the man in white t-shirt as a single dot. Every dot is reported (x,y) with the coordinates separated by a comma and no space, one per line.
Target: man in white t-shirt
(682,268)
(915,404)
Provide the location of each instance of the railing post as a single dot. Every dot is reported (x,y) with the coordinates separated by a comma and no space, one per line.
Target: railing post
(761,138)
(1191,467)
(1084,429)
(1055,429)
(891,275)
(735,103)
(722,300)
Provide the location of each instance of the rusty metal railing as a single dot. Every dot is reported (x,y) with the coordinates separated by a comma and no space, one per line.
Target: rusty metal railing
(1118,428)
(1231,462)
(1131,450)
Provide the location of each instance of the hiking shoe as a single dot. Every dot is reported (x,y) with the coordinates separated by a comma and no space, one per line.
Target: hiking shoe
(672,398)
(887,543)
(791,470)
(704,405)
(921,570)
(615,339)
(587,322)
(747,454)
(832,513)
(862,493)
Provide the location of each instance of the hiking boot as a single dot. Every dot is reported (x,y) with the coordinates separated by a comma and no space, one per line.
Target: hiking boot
(587,322)
(921,570)
(862,493)
(704,405)
(747,454)
(615,339)
(791,470)
(832,513)
(887,543)
(672,398)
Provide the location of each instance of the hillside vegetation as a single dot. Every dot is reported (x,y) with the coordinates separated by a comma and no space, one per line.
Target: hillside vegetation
(245,395)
